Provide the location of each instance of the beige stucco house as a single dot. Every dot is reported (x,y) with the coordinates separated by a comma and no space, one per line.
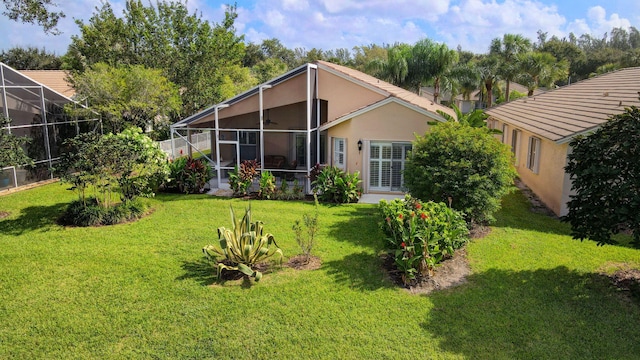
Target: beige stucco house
(540,128)
(317,113)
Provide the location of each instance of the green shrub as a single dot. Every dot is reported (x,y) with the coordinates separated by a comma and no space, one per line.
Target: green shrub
(604,167)
(336,186)
(243,246)
(267,188)
(462,165)
(284,192)
(188,175)
(421,235)
(91,213)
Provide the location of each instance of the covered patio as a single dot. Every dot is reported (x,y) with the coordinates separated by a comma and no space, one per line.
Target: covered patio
(276,123)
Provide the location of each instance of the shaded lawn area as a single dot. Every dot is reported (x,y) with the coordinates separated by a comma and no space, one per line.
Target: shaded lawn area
(142,290)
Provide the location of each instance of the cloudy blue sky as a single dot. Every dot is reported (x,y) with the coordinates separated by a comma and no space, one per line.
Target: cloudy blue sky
(331,24)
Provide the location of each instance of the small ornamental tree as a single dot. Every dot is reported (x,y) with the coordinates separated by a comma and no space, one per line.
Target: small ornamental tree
(605,169)
(109,173)
(463,166)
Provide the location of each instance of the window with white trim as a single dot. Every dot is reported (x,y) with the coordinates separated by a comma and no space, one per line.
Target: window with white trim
(339,153)
(533,157)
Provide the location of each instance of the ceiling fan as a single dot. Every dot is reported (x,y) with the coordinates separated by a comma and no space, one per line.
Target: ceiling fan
(267,120)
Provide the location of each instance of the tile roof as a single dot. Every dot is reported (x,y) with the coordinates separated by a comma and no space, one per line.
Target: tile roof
(563,113)
(54,79)
(390,89)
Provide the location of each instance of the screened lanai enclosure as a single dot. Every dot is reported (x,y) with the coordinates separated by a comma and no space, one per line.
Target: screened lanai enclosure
(38,113)
(276,124)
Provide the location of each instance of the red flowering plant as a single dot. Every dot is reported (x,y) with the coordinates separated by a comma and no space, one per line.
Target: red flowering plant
(421,235)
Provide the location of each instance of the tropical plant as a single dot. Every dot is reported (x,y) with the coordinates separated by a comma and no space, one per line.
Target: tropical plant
(429,62)
(267,188)
(463,163)
(606,180)
(307,230)
(243,246)
(188,175)
(241,178)
(336,186)
(394,68)
(421,235)
(476,118)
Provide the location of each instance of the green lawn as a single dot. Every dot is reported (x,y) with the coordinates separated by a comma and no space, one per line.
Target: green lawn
(142,290)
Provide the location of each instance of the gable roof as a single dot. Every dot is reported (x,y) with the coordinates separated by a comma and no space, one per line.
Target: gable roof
(561,114)
(375,84)
(56,80)
(388,88)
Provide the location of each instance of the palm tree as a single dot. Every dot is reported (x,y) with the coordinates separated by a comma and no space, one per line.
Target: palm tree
(541,68)
(488,73)
(507,50)
(429,62)
(395,68)
(476,118)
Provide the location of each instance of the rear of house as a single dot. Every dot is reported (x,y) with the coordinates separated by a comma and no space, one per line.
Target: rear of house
(318,113)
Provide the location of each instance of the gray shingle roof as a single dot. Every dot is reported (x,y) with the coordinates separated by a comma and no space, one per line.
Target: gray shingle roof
(561,114)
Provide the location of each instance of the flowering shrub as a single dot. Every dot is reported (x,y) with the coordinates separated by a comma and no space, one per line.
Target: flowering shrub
(421,235)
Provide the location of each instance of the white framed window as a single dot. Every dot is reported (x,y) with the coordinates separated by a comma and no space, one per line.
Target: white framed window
(339,153)
(505,133)
(533,157)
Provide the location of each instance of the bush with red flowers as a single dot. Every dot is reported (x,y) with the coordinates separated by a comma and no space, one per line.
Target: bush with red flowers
(421,235)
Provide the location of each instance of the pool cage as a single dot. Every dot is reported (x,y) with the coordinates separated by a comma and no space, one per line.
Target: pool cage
(38,113)
(276,123)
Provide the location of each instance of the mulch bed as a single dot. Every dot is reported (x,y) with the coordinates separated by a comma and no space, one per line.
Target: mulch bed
(449,273)
(300,262)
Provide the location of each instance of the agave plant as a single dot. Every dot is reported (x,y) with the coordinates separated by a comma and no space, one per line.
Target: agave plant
(244,246)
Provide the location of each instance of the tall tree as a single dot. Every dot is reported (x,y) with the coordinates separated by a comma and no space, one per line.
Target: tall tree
(34,12)
(394,68)
(488,71)
(30,58)
(429,63)
(205,60)
(507,50)
(128,95)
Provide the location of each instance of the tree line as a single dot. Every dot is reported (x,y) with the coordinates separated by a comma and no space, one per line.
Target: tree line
(205,63)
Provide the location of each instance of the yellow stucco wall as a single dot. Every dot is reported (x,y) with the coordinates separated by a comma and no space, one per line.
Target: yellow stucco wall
(549,184)
(391,122)
(343,95)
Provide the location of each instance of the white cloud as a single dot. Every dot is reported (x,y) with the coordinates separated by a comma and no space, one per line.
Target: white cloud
(473,23)
(597,22)
(295,5)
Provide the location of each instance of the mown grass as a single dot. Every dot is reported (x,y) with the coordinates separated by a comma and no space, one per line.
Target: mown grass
(143,290)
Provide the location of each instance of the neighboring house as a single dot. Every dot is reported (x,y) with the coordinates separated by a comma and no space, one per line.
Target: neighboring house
(56,80)
(37,112)
(317,113)
(475,100)
(539,128)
